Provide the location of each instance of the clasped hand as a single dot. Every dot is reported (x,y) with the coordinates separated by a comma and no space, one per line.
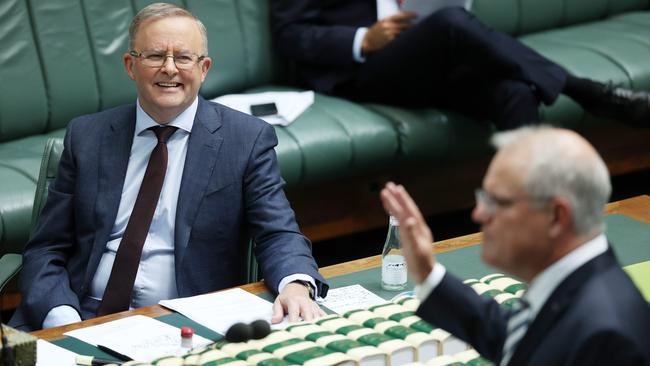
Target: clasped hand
(384,31)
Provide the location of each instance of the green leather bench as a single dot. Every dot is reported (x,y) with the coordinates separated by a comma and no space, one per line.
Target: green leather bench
(62,58)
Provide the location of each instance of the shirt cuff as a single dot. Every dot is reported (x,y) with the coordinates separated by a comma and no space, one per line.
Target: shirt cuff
(298,277)
(61,315)
(356,46)
(431,282)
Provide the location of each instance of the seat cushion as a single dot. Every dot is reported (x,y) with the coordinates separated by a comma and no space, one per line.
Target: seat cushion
(332,139)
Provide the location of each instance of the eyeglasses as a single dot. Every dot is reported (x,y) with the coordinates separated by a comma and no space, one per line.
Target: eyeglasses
(493,204)
(183,61)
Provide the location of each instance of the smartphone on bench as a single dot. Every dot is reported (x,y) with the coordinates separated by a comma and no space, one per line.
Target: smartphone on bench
(266,109)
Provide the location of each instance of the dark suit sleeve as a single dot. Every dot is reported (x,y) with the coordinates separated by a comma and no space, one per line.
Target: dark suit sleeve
(458,309)
(609,348)
(302,36)
(281,248)
(44,282)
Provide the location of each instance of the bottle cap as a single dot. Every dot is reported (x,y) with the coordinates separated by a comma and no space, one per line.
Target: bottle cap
(187,332)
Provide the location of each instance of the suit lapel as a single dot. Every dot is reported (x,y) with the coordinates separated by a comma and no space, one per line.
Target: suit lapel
(202,151)
(557,304)
(114,152)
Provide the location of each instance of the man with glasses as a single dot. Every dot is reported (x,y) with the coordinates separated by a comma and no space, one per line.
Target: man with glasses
(158,199)
(541,214)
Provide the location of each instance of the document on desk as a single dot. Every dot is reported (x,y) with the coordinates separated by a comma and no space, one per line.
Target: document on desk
(48,354)
(343,299)
(425,7)
(219,310)
(137,337)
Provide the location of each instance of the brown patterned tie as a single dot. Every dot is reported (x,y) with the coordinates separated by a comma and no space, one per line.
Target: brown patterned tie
(117,295)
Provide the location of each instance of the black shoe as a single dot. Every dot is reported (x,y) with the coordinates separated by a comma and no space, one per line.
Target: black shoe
(629,106)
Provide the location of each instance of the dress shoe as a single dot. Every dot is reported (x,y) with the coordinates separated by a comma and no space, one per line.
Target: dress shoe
(629,106)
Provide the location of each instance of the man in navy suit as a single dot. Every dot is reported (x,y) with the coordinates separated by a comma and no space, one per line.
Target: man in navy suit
(222,187)
(370,51)
(541,214)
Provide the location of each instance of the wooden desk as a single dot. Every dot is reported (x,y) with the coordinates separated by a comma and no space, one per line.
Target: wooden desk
(637,208)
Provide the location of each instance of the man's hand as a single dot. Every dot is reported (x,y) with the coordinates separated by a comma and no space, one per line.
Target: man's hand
(415,235)
(384,31)
(294,300)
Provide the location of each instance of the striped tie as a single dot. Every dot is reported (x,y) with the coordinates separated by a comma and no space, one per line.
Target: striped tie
(517,326)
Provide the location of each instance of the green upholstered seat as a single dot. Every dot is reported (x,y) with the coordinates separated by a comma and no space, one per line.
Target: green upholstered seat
(11,259)
(63,58)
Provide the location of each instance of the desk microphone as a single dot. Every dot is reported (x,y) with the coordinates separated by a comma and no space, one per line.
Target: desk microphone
(241,332)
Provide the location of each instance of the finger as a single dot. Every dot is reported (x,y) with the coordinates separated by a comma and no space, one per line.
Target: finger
(403,16)
(307,311)
(293,309)
(389,200)
(408,204)
(278,312)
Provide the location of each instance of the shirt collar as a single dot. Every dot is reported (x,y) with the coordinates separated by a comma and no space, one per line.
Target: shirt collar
(547,281)
(183,121)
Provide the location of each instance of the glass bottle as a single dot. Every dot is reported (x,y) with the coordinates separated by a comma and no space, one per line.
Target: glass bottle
(393,264)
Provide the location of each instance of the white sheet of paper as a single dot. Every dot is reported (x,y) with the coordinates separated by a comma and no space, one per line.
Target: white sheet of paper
(138,337)
(343,299)
(289,104)
(425,7)
(48,354)
(219,310)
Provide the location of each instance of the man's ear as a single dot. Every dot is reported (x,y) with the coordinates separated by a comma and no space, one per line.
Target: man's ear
(128,65)
(205,67)
(561,217)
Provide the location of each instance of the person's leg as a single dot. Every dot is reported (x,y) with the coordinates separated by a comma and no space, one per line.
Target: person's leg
(449,50)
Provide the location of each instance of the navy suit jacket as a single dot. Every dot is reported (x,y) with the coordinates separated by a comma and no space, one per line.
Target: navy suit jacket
(596,316)
(318,35)
(231,191)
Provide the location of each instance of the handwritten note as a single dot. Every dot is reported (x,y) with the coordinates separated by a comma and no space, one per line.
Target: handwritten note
(138,337)
(343,299)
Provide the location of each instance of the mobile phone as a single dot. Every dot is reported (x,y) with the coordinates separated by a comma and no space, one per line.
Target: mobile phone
(266,109)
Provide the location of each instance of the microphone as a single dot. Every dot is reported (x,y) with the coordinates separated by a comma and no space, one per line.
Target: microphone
(261,328)
(241,332)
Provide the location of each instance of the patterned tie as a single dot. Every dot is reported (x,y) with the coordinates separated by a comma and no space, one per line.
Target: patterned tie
(517,326)
(119,289)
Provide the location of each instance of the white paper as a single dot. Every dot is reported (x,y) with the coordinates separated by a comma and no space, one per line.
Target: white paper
(425,7)
(138,337)
(48,354)
(219,310)
(290,105)
(344,299)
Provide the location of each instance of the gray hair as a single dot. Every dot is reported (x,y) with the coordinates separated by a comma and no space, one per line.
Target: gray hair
(164,10)
(558,169)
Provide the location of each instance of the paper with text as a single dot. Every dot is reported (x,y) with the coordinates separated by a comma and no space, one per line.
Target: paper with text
(138,337)
(219,310)
(343,299)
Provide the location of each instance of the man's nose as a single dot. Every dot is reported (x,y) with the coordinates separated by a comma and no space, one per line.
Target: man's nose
(480,213)
(169,66)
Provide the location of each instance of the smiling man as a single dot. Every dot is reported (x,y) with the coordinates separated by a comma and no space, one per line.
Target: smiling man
(159,199)
(541,214)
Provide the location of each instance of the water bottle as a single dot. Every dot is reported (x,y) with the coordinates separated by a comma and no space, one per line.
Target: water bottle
(393,264)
